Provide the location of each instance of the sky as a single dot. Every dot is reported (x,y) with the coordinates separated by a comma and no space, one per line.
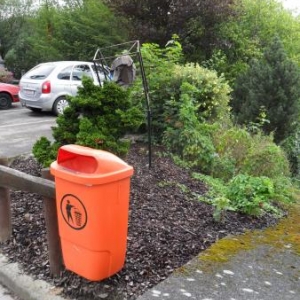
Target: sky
(291,4)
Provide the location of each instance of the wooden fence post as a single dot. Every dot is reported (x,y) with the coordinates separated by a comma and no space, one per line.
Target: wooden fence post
(5,209)
(54,247)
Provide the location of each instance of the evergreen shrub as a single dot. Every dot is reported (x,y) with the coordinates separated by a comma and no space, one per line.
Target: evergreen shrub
(273,82)
(97,117)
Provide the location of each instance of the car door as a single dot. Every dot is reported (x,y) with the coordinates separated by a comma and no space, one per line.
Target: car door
(63,82)
(79,70)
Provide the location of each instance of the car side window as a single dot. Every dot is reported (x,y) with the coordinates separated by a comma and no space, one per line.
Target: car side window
(65,74)
(81,70)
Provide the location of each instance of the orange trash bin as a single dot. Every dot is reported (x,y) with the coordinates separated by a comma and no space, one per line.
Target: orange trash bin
(92,200)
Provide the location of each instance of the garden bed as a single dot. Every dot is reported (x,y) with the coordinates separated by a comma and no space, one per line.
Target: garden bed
(167,227)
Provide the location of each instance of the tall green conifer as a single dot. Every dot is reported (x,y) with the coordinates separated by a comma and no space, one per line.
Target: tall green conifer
(271,84)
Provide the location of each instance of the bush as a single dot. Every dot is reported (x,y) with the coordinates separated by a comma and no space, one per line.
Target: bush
(170,82)
(232,146)
(209,92)
(159,64)
(252,172)
(189,139)
(291,146)
(239,151)
(44,152)
(247,194)
(224,167)
(265,158)
(251,195)
(234,141)
(98,117)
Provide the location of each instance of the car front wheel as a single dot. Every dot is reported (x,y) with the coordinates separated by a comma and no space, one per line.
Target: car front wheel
(59,106)
(5,101)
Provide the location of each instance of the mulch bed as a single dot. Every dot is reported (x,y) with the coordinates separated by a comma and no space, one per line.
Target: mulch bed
(167,228)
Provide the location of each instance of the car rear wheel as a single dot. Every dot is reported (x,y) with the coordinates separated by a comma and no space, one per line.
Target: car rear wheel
(5,101)
(59,105)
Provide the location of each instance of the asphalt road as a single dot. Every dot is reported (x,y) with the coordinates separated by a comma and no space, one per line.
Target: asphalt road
(5,294)
(20,128)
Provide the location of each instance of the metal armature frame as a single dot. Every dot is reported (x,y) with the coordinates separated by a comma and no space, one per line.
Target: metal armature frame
(132,48)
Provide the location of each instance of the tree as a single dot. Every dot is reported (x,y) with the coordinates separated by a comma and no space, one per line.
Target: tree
(272,84)
(82,28)
(249,31)
(194,21)
(34,43)
(13,19)
(67,33)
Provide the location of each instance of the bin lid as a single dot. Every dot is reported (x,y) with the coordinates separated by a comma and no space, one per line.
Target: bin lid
(89,166)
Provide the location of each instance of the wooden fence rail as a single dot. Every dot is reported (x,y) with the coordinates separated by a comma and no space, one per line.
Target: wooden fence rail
(13,179)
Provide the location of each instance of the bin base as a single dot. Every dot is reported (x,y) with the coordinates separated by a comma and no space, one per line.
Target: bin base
(92,265)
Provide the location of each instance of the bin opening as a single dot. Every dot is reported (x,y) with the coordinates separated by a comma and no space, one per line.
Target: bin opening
(77,162)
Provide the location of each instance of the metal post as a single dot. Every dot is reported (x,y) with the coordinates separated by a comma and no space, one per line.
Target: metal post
(5,209)
(54,247)
(146,91)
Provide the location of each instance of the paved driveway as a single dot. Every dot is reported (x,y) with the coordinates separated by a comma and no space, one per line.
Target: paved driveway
(5,294)
(20,128)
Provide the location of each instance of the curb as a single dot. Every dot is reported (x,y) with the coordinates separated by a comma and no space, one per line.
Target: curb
(23,286)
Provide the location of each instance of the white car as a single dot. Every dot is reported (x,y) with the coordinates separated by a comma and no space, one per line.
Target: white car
(45,87)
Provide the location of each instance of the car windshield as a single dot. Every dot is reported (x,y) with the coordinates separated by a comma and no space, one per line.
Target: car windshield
(39,72)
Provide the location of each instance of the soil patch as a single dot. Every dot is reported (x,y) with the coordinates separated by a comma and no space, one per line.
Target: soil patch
(167,227)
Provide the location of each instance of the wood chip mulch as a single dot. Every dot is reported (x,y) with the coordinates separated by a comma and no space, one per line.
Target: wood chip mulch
(167,228)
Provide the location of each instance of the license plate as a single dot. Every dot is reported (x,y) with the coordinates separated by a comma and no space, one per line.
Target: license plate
(29,92)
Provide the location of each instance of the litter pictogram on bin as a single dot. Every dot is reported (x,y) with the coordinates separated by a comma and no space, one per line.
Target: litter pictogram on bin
(73,212)
(78,219)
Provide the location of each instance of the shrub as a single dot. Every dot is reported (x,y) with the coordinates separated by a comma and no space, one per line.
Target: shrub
(248,194)
(216,195)
(232,146)
(210,92)
(224,167)
(159,64)
(44,152)
(291,146)
(170,82)
(265,158)
(251,195)
(250,173)
(189,139)
(239,151)
(217,187)
(98,117)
